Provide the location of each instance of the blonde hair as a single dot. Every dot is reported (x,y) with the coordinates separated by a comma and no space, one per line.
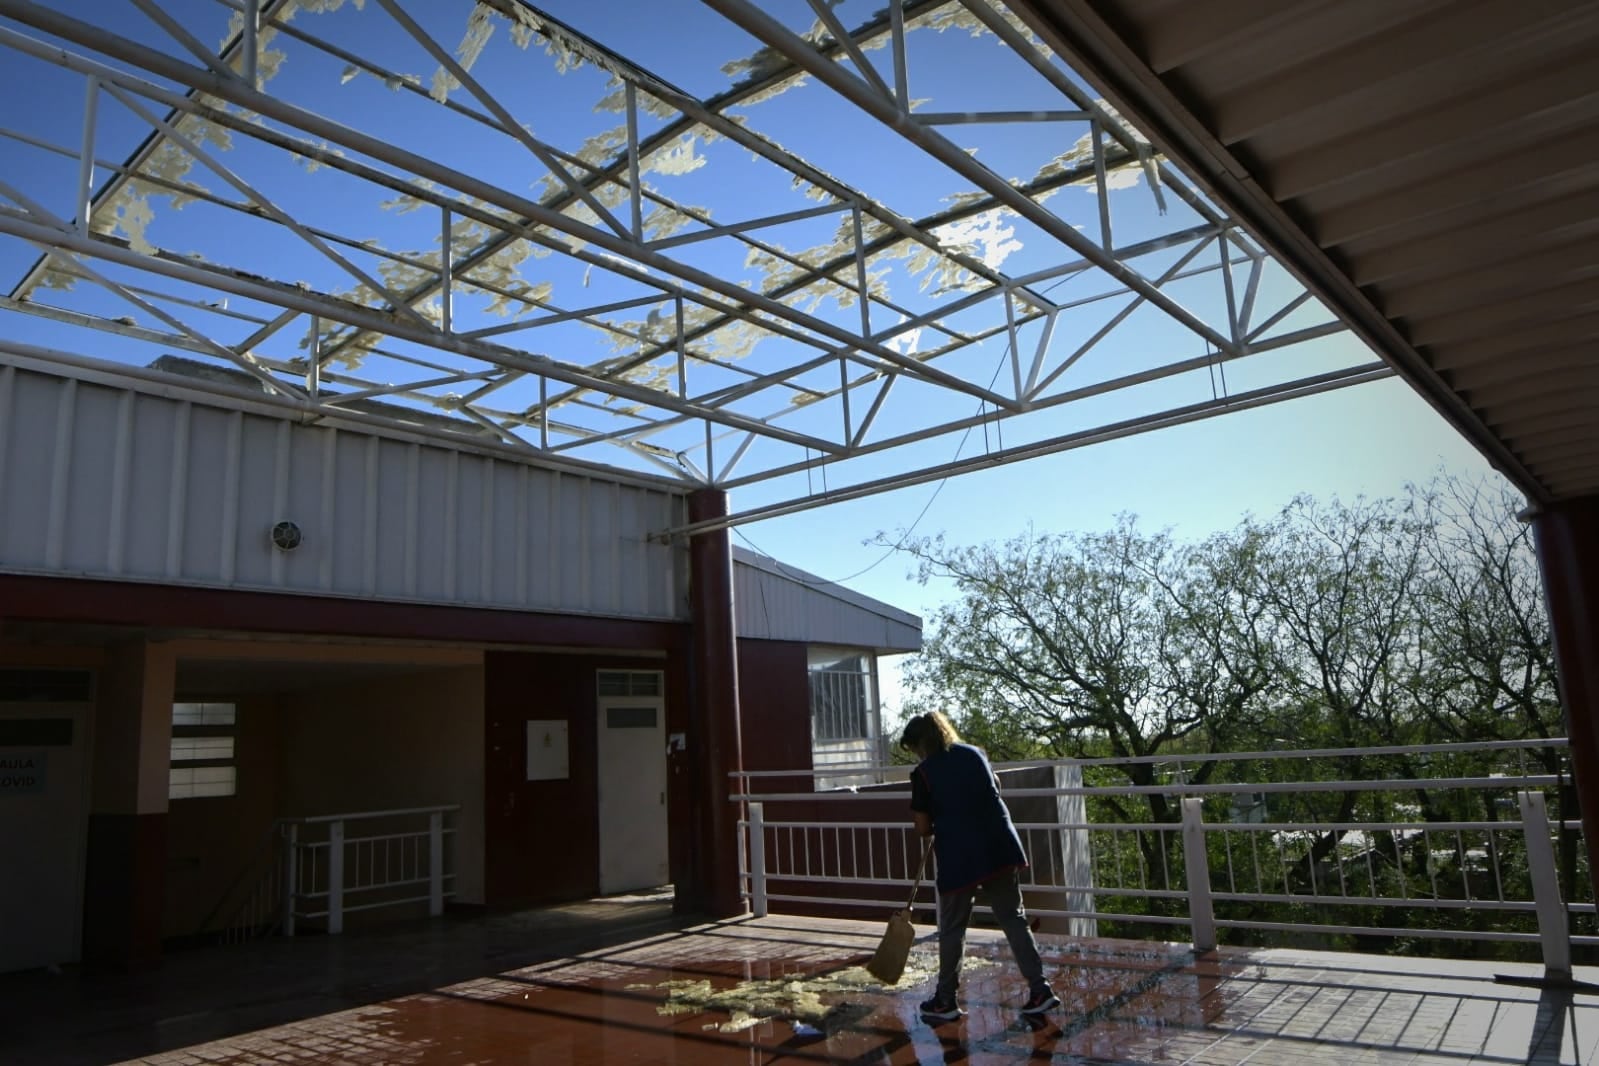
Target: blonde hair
(928,734)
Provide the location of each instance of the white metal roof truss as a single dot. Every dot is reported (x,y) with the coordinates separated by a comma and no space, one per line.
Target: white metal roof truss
(573,300)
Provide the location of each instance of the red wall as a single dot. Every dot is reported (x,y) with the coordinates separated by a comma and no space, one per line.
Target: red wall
(775,708)
(541,838)
(774,701)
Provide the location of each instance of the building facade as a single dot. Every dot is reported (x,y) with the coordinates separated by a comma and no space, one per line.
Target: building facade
(216,615)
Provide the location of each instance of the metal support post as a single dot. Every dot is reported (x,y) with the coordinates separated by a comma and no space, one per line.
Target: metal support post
(757,860)
(336,877)
(313,370)
(1196,863)
(436,863)
(291,857)
(1552,929)
(251,43)
(446,273)
(1008,298)
(896,23)
(634,184)
(85,189)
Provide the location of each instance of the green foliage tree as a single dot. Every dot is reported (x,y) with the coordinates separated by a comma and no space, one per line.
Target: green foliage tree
(1372,623)
(1486,665)
(1396,621)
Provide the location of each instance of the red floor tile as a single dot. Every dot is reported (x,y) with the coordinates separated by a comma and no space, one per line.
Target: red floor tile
(791,990)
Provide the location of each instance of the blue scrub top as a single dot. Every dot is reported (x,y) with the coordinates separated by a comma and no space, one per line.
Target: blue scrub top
(973,836)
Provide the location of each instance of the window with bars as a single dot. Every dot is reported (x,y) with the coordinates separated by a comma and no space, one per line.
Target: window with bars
(842,695)
(203,750)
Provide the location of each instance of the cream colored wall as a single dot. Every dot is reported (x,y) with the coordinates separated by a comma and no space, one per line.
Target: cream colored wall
(133,728)
(397,741)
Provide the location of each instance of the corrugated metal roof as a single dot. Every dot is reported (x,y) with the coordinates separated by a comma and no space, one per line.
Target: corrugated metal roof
(1430,167)
(775,601)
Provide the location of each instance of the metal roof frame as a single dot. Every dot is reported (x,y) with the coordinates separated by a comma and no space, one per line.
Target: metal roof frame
(640,410)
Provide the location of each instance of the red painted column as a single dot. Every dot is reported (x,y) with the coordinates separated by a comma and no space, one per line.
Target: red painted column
(714,714)
(1567,535)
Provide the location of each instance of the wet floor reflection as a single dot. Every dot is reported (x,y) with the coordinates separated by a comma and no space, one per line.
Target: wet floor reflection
(655,1005)
(752,994)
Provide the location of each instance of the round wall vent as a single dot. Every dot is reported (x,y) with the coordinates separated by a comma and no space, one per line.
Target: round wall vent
(286,536)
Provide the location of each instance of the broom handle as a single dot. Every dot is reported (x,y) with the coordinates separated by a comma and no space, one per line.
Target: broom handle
(921,872)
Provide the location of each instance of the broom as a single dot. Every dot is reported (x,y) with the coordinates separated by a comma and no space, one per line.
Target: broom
(888,962)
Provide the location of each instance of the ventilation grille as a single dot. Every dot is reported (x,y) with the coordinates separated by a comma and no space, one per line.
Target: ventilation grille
(630,682)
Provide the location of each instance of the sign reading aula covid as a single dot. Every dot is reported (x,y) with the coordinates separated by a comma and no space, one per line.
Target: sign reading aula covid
(21,772)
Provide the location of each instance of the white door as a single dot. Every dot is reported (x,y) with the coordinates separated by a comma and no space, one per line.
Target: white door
(632,778)
(43,825)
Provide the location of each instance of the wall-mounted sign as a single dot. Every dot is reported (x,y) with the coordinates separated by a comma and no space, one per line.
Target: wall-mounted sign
(547,758)
(21,772)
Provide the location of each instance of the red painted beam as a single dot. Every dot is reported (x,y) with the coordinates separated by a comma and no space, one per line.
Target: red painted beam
(124,603)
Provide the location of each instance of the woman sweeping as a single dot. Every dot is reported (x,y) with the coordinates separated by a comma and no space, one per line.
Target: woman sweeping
(955,800)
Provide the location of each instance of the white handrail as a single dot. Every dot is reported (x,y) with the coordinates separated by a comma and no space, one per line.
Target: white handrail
(1458,747)
(371,868)
(1450,867)
(1386,784)
(315,819)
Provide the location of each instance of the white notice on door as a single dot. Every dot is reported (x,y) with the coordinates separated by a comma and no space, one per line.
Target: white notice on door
(547,758)
(21,772)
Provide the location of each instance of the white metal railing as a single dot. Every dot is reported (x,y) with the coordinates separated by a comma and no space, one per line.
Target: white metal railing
(336,864)
(1262,855)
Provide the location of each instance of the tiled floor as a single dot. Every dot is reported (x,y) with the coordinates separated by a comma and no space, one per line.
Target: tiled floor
(790,990)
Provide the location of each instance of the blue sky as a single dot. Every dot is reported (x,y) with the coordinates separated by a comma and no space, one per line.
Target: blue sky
(1195,479)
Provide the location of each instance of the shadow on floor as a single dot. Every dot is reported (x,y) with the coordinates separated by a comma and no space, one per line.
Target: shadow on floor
(604,982)
(200,994)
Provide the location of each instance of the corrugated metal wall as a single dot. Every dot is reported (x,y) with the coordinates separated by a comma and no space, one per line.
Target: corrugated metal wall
(776,602)
(124,482)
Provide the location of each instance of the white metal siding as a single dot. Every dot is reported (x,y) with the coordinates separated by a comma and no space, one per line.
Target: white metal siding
(127,483)
(773,602)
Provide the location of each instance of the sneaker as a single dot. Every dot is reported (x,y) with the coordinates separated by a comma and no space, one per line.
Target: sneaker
(1040,1001)
(944,1010)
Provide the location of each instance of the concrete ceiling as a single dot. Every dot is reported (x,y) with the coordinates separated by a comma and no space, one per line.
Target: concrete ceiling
(1430,167)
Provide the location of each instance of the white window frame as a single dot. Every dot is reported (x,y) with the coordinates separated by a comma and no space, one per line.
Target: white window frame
(201,778)
(817,657)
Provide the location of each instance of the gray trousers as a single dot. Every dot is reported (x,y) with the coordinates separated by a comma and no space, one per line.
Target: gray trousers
(1003,895)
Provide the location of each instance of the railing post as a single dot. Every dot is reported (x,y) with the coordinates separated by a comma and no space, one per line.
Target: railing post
(336,876)
(1196,863)
(757,860)
(291,859)
(1552,930)
(436,863)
